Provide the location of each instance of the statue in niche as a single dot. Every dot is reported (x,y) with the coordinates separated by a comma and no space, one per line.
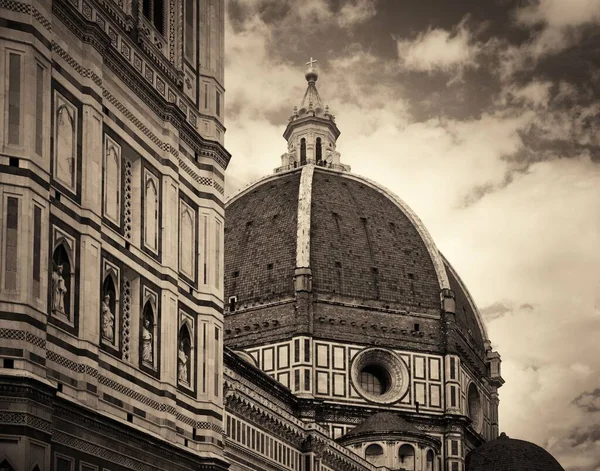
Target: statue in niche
(182,365)
(108,320)
(147,355)
(59,290)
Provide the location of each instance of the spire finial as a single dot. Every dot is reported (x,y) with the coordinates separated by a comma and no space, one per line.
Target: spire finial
(311,74)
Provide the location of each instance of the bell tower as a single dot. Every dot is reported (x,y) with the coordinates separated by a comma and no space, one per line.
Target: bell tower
(311,133)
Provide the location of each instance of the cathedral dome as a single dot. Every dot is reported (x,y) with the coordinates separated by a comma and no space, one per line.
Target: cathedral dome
(360,243)
(508,454)
(316,250)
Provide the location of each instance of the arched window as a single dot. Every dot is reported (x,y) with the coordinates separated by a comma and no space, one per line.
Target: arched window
(112,181)
(61,281)
(374,454)
(406,455)
(66,143)
(429,460)
(187,242)
(151,214)
(319,151)
(302,151)
(184,356)
(148,334)
(5,466)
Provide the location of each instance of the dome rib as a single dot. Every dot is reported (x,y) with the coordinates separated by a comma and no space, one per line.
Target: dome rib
(304,215)
(465,292)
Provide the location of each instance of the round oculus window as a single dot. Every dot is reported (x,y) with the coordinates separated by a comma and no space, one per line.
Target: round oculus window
(379,375)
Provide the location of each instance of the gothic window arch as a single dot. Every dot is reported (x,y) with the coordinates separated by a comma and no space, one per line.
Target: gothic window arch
(6,466)
(112,180)
(151,212)
(62,280)
(65,147)
(406,455)
(187,241)
(303,151)
(319,151)
(148,336)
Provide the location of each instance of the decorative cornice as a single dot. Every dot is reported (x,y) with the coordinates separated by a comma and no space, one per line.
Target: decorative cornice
(250,378)
(70,414)
(21,7)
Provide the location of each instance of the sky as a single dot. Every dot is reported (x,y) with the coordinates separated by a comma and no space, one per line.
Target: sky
(484,116)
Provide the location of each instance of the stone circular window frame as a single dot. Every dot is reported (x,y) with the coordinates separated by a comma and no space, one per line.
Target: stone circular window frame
(476,415)
(395,367)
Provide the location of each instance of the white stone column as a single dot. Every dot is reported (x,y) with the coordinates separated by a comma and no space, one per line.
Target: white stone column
(170,224)
(89,289)
(169,332)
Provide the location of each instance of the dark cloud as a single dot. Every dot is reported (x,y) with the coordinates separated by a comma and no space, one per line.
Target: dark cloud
(499,309)
(589,401)
(580,437)
(495,311)
(478,192)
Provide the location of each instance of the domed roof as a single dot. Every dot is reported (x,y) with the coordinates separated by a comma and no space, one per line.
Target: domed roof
(320,251)
(509,454)
(382,423)
(362,244)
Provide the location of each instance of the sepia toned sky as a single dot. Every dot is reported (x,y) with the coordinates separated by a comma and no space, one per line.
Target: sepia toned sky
(484,116)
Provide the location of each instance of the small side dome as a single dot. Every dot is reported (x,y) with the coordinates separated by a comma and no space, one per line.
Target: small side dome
(509,454)
(383,423)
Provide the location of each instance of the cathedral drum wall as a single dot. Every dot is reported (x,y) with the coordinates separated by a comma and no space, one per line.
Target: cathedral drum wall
(112,220)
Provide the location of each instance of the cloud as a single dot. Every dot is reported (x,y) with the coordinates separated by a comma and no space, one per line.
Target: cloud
(589,401)
(355,12)
(509,195)
(535,94)
(555,25)
(439,50)
(560,13)
(497,309)
(291,21)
